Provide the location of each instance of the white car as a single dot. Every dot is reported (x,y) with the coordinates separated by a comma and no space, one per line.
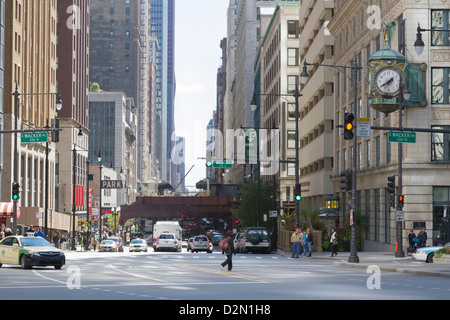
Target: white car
(138,245)
(427,253)
(108,246)
(168,241)
(257,239)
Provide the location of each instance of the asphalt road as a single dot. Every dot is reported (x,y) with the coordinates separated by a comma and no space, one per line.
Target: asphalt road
(197,277)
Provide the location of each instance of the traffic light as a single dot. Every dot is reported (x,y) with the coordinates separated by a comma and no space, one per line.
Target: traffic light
(400,200)
(298,192)
(209,163)
(391,190)
(348,126)
(346,180)
(15,191)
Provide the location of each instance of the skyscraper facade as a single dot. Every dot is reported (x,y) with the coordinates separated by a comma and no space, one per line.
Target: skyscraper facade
(162,19)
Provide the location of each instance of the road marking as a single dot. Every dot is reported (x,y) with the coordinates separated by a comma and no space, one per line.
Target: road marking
(138,275)
(225,273)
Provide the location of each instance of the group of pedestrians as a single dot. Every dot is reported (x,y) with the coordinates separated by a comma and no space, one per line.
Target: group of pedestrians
(301,243)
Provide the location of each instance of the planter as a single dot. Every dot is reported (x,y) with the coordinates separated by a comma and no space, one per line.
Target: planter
(445,258)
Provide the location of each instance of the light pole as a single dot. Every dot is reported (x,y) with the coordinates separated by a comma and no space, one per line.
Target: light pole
(74,185)
(419,45)
(296,95)
(59,104)
(99,158)
(353,258)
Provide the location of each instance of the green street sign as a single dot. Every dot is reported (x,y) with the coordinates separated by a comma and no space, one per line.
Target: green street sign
(33,137)
(402,137)
(224,164)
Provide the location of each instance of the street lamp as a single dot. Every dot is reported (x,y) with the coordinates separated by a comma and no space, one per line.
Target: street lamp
(419,45)
(99,158)
(296,94)
(304,77)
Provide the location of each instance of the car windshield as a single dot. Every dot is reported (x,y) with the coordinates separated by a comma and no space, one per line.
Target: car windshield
(115,239)
(107,242)
(137,241)
(166,236)
(201,239)
(35,242)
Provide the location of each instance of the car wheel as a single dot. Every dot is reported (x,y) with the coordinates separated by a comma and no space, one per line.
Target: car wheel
(58,267)
(23,262)
(430,257)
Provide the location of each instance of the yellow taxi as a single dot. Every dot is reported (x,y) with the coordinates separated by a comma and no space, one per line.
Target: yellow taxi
(28,251)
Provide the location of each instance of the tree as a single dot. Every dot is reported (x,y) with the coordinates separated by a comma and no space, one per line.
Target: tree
(247,213)
(95,87)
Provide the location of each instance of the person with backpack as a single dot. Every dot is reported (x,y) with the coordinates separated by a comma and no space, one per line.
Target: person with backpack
(227,248)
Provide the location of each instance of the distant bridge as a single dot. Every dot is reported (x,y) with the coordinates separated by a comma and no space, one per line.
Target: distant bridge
(169,208)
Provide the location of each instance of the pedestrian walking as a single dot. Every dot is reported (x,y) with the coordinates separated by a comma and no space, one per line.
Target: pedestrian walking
(304,243)
(334,243)
(228,250)
(310,241)
(296,243)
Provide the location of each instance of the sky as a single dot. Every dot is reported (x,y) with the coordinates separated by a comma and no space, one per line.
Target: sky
(200,25)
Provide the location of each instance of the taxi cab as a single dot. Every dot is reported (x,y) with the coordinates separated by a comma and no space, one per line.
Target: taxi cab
(28,251)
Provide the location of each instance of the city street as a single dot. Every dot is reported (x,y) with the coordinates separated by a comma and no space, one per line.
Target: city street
(197,276)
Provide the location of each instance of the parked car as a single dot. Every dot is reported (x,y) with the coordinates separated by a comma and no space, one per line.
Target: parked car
(30,251)
(168,241)
(427,253)
(257,239)
(201,243)
(137,245)
(119,243)
(238,242)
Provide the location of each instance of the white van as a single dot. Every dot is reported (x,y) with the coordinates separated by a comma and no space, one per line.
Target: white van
(161,227)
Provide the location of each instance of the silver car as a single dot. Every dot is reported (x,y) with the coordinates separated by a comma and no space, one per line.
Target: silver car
(201,243)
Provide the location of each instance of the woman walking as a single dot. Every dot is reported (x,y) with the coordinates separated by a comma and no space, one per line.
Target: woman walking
(334,243)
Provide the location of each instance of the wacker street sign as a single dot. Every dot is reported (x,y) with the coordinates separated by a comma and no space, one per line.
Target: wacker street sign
(34,137)
(402,137)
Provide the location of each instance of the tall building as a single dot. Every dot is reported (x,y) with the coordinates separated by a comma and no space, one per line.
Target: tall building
(119,61)
(425,177)
(162,19)
(73,83)
(30,66)
(316,131)
(113,125)
(276,78)
(245,31)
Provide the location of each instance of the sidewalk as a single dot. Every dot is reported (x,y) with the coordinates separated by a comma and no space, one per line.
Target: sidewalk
(386,261)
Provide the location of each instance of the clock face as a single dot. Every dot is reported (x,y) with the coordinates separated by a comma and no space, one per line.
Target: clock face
(388,81)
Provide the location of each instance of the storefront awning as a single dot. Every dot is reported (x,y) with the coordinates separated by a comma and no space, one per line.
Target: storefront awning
(7,209)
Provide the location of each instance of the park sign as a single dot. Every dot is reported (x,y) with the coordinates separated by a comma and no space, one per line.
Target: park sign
(34,137)
(402,137)
(112,184)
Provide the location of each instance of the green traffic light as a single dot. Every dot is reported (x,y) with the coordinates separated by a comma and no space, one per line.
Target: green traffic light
(209,164)
(298,197)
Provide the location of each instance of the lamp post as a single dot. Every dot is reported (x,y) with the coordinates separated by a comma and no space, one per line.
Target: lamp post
(99,158)
(419,45)
(403,95)
(59,105)
(296,95)
(304,77)
(74,185)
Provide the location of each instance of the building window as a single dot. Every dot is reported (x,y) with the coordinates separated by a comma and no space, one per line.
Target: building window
(291,139)
(292,84)
(440,85)
(293,57)
(440,20)
(440,144)
(293,29)
(291,111)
